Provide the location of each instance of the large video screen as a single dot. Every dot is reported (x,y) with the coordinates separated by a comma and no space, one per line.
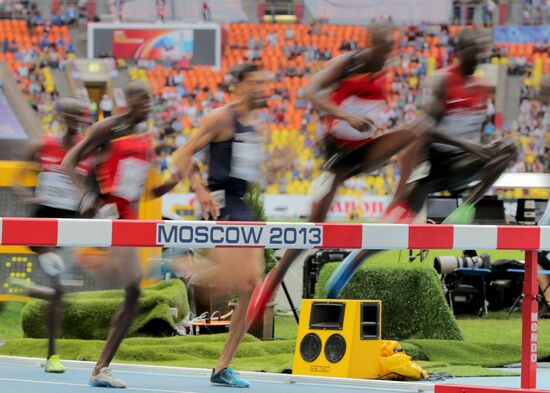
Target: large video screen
(199,43)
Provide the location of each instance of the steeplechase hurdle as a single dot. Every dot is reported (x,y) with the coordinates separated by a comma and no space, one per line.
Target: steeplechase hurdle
(197,234)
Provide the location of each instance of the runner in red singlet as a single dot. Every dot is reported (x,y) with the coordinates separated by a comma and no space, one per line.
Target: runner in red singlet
(55,196)
(353,146)
(125,155)
(458,104)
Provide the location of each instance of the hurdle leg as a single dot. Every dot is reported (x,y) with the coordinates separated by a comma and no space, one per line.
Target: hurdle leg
(529,330)
(529,338)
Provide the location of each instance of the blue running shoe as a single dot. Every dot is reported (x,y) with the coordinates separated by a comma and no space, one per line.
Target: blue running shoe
(228,377)
(346,270)
(342,275)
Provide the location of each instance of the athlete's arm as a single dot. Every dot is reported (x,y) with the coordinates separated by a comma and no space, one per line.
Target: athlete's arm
(209,131)
(169,184)
(333,73)
(209,206)
(98,134)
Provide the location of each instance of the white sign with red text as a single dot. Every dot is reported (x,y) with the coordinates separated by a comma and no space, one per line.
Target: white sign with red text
(284,206)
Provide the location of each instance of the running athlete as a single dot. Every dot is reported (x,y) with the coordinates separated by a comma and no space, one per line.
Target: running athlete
(124,155)
(457,103)
(353,109)
(55,197)
(235,160)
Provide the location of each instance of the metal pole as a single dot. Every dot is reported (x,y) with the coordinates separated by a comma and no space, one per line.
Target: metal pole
(529,331)
(118,10)
(290,302)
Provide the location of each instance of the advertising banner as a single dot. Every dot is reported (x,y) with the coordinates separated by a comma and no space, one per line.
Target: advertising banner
(284,207)
(521,34)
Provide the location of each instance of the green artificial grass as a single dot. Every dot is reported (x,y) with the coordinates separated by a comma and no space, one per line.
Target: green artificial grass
(488,342)
(88,315)
(10,320)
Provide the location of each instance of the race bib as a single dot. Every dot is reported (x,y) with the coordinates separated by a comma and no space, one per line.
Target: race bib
(373,109)
(130,178)
(246,157)
(58,191)
(465,124)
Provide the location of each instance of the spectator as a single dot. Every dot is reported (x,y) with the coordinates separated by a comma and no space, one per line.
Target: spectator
(206,13)
(106,106)
(272,39)
(289,34)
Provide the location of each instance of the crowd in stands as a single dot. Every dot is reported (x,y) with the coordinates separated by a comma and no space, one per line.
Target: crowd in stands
(31,50)
(291,54)
(183,94)
(536,12)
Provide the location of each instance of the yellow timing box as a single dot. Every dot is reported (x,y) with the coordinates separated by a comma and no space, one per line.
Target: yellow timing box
(339,338)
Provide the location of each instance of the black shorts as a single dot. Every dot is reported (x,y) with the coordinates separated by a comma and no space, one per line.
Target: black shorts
(443,170)
(349,159)
(43,211)
(544,259)
(236,209)
(452,170)
(52,212)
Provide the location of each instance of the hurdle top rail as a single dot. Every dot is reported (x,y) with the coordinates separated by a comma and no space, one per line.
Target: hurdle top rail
(208,234)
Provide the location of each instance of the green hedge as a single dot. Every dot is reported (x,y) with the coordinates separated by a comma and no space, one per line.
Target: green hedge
(413,305)
(88,315)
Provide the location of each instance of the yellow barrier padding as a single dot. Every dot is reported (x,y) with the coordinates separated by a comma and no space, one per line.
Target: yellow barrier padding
(20,173)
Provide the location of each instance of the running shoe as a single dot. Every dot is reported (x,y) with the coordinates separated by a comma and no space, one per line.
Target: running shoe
(228,377)
(53,365)
(462,215)
(105,379)
(341,276)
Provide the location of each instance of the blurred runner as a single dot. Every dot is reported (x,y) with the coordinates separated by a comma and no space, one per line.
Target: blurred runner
(458,104)
(55,197)
(235,160)
(124,155)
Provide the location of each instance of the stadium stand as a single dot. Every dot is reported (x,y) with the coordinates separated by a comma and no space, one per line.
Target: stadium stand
(291,53)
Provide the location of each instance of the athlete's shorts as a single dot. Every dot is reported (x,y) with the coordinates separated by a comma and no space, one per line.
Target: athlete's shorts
(43,211)
(544,259)
(126,210)
(349,158)
(444,170)
(453,170)
(236,209)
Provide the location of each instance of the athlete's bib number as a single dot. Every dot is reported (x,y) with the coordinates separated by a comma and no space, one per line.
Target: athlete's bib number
(57,190)
(130,178)
(466,124)
(246,158)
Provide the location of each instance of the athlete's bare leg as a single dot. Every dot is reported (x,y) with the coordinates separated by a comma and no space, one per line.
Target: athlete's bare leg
(126,263)
(242,269)
(384,147)
(505,154)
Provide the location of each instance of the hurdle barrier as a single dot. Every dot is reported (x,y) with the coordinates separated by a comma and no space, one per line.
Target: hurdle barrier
(197,234)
